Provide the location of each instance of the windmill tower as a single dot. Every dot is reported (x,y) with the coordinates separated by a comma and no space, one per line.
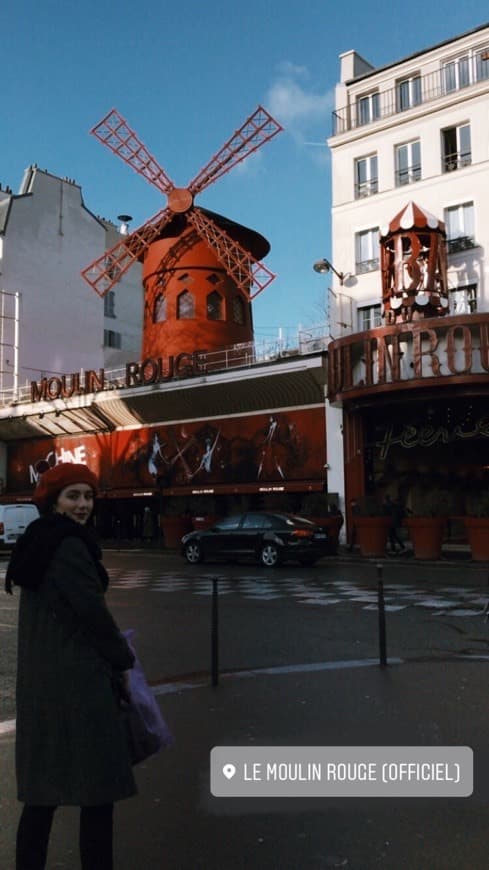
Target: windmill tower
(200,269)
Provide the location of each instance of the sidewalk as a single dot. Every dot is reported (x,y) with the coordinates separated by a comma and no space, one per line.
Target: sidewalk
(176,824)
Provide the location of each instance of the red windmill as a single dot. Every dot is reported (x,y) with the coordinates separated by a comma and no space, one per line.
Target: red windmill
(200,270)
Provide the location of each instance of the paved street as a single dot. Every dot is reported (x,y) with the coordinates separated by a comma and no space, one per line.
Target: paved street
(298,658)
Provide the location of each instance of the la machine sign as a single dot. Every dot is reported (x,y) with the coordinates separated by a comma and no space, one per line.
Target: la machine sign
(137,374)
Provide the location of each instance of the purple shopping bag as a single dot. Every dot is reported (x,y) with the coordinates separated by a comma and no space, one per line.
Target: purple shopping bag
(147,731)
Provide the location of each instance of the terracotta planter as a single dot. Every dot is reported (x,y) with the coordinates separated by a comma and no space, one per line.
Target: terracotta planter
(478,535)
(174,528)
(204,522)
(332,524)
(371,534)
(426,534)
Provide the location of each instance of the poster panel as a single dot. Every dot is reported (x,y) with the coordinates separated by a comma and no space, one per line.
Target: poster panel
(283,446)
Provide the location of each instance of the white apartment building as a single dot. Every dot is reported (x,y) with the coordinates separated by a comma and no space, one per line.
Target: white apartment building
(417,129)
(51,322)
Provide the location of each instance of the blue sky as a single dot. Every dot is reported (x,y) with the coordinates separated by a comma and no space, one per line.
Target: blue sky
(185,75)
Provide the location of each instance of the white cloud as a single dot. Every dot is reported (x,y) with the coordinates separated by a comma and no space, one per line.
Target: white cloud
(303,112)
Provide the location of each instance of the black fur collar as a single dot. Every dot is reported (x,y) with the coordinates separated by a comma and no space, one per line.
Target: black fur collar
(35,549)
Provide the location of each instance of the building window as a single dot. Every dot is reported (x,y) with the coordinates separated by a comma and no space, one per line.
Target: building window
(112,339)
(369,317)
(408,163)
(214,306)
(185,278)
(462,71)
(456,147)
(368,108)
(482,64)
(185,306)
(408,93)
(459,222)
(367,250)
(109,304)
(366,178)
(238,310)
(214,279)
(159,309)
(463,299)
(456,73)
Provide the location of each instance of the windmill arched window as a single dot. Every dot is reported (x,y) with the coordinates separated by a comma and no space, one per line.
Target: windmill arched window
(214,306)
(159,309)
(238,310)
(185,306)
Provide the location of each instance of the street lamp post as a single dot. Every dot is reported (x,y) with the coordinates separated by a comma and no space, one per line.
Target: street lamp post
(323,267)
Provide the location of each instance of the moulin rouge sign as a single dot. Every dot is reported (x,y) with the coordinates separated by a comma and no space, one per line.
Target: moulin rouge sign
(366,362)
(137,374)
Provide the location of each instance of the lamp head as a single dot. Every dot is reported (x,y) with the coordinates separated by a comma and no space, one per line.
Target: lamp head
(322,266)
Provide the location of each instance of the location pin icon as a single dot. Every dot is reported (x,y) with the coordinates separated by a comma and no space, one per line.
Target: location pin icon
(229,770)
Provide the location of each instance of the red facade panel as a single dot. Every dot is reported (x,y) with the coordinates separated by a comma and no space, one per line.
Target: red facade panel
(265,448)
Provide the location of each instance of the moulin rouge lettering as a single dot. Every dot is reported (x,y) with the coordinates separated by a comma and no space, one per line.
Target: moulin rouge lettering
(137,374)
(372,360)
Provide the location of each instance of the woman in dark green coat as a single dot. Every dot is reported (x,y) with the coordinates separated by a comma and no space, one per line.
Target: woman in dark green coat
(71,747)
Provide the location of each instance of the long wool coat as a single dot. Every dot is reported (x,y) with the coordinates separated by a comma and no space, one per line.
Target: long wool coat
(70,747)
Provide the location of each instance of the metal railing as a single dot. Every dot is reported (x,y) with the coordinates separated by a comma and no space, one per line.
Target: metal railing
(461,243)
(389,103)
(301,342)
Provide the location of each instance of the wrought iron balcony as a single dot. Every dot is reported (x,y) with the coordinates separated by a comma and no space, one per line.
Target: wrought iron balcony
(366,188)
(458,160)
(364,266)
(461,243)
(408,175)
(395,100)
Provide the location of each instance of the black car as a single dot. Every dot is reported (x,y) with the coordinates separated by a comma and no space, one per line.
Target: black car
(270,537)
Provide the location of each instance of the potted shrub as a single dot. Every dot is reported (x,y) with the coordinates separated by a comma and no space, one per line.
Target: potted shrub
(315,507)
(204,512)
(175,522)
(426,525)
(370,528)
(477,527)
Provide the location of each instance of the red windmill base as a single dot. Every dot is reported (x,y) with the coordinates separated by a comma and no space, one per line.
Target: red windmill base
(200,270)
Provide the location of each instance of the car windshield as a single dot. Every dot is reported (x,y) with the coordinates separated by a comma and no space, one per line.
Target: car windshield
(227,523)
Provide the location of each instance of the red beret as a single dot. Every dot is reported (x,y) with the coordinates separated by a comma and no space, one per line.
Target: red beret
(63,474)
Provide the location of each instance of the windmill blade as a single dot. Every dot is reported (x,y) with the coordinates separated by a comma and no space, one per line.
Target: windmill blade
(257,129)
(114,132)
(108,269)
(246,272)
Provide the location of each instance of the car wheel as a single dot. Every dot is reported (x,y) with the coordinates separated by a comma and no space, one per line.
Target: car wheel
(270,556)
(193,552)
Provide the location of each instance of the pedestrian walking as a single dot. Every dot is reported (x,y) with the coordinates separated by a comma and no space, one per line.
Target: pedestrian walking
(355,511)
(148,526)
(71,747)
(394,510)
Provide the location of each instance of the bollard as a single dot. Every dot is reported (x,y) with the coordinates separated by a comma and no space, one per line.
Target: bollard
(381,609)
(215,633)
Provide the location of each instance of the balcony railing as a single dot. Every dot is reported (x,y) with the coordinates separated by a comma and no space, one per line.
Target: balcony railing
(461,243)
(366,188)
(363,266)
(408,175)
(236,356)
(456,160)
(388,103)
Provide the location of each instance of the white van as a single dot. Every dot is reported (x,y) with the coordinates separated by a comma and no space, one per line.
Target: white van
(14,519)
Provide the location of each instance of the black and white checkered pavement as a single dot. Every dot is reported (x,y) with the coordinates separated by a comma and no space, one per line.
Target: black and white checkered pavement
(446,600)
